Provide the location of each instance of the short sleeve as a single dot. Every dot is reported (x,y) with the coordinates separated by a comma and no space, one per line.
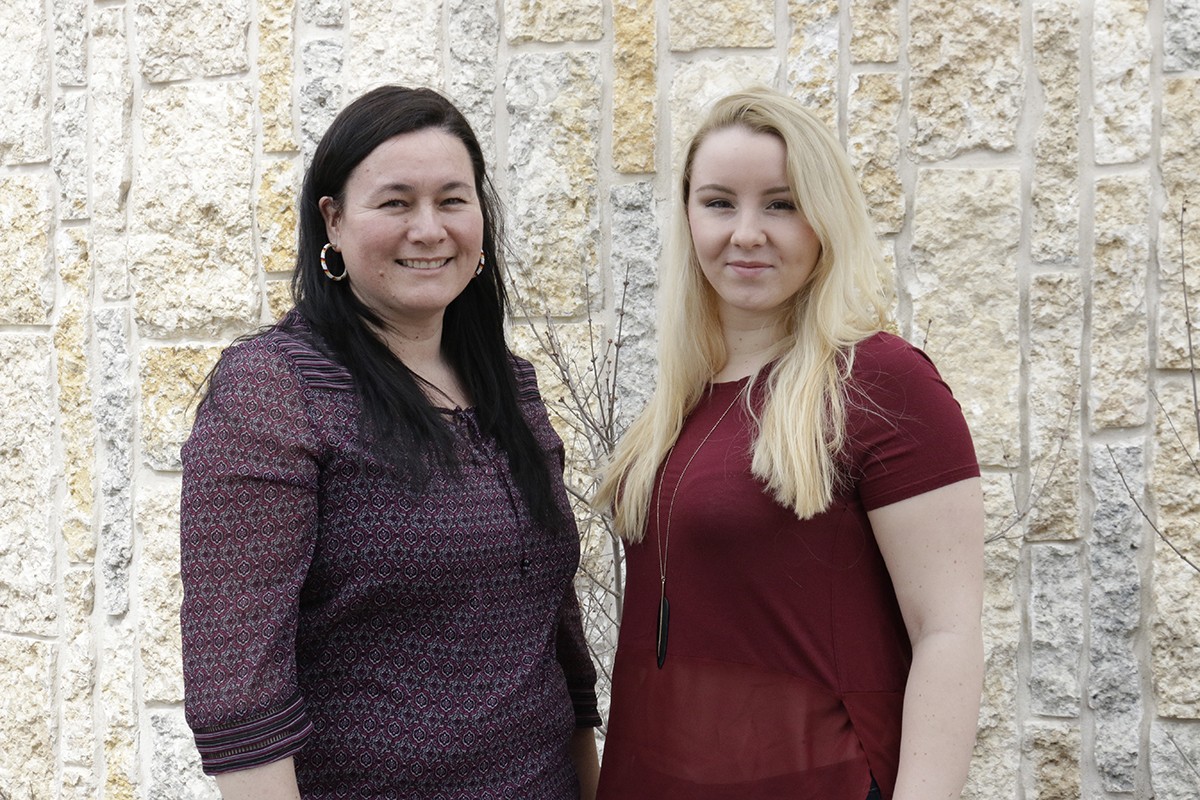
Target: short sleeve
(248,521)
(906,434)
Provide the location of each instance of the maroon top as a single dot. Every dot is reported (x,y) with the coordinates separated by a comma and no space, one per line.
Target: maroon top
(787,656)
(396,644)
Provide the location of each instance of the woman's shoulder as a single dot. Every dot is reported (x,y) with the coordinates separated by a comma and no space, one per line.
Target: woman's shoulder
(289,346)
(525,376)
(886,356)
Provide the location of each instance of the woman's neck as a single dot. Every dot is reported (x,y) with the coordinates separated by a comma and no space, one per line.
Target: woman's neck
(747,350)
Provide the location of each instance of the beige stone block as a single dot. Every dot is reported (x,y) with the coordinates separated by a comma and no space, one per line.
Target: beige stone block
(77,678)
(697,84)
(874,31)
(27,718)
(554,143)
(160,592)
(873,144)
(696,24)
(279,298)
(993,770)
(110,95)
(1179,225)
(393,41)
(1055,195)
(181,39)
(28,564)
(962,279)
(1055,343)
(275,70)
(1053,751)
(553,21)
(26,297)
(966,85)
(1121,104)
(1119,340)
(192,252)
(172,379)
(118,709)
(278,188)
(24,109)
(72,343)
(812,66)
(635,86)
(79,783)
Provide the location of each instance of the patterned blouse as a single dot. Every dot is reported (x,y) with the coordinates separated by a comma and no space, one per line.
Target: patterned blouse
(396,644)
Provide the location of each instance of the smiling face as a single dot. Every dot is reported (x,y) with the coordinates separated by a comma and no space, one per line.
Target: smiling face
(754,245)
(409,227)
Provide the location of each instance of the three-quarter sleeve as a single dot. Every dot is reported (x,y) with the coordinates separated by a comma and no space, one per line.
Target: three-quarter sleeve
(576,662)
(248,521)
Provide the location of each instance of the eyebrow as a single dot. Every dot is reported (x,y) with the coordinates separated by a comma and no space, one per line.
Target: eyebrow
(717,187)
(452,186)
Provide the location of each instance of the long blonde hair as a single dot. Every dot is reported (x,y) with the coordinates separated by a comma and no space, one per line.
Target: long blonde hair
(802,425)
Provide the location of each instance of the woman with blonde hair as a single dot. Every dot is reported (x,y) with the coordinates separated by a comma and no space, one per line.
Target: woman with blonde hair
(800,501)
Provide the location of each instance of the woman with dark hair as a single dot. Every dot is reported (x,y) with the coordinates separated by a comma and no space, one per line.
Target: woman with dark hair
(377,550)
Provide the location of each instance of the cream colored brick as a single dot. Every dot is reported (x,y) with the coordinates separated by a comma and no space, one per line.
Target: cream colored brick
(697,84)
(1056,53)
(78,670)
(278,188)
(813,56)
(553,20)
(276,71)
(1054,749)
(181,39)
(160,592)
(172,380)
(874,146)
(279,298)
(874,31)
(1121,81)
(393,41)
(1180,164)
(26,297)
(24,109)
(27,688)
(696,24)
(635,101)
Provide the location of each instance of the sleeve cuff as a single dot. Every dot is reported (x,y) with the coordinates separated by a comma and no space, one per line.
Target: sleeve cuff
(268,737)
(587,714)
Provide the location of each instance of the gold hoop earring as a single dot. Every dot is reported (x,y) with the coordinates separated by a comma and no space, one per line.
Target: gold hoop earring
(325,266)
(482,264)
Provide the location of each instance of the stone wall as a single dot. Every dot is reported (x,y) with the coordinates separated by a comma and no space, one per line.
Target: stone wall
(1028,164)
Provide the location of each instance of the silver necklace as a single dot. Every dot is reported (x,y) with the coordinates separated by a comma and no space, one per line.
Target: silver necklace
(664,606)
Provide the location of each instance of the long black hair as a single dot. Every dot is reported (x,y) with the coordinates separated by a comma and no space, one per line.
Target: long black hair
(400,422)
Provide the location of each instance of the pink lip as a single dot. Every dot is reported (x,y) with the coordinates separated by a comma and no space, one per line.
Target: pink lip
(747,265)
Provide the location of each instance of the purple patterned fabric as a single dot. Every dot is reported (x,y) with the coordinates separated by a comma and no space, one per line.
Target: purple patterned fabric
(396,644)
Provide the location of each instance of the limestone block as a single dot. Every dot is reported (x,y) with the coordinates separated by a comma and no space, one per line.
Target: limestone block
(172,380)
(873,144)
(553,145)
(697,84)
(27,718)
(326,13)
(28,601)
(275,71)
(70,160)
(111,95)
(1175,638)
(1174,754)
(1055,199)
(1117,533)
(812,66)
(160,592)
(1053,752)
(1121,104)
(1055,343)
(874,31)
(1119,340)
(1181,35)
(117,707)
(320,91)
(1179,224)
(473,36)
(193,257)
(1055,630)
(962,279)
(181,39)
(79,783)
(993,772)
(966,88)
(635,86)
(553,21)
(636,247)
(279,298)
(25,298)
(72,343)
(278,190)
(175,765)
(114,422)
(393,41)
(24,111)
(696,24)
(70,42)
(77,677)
